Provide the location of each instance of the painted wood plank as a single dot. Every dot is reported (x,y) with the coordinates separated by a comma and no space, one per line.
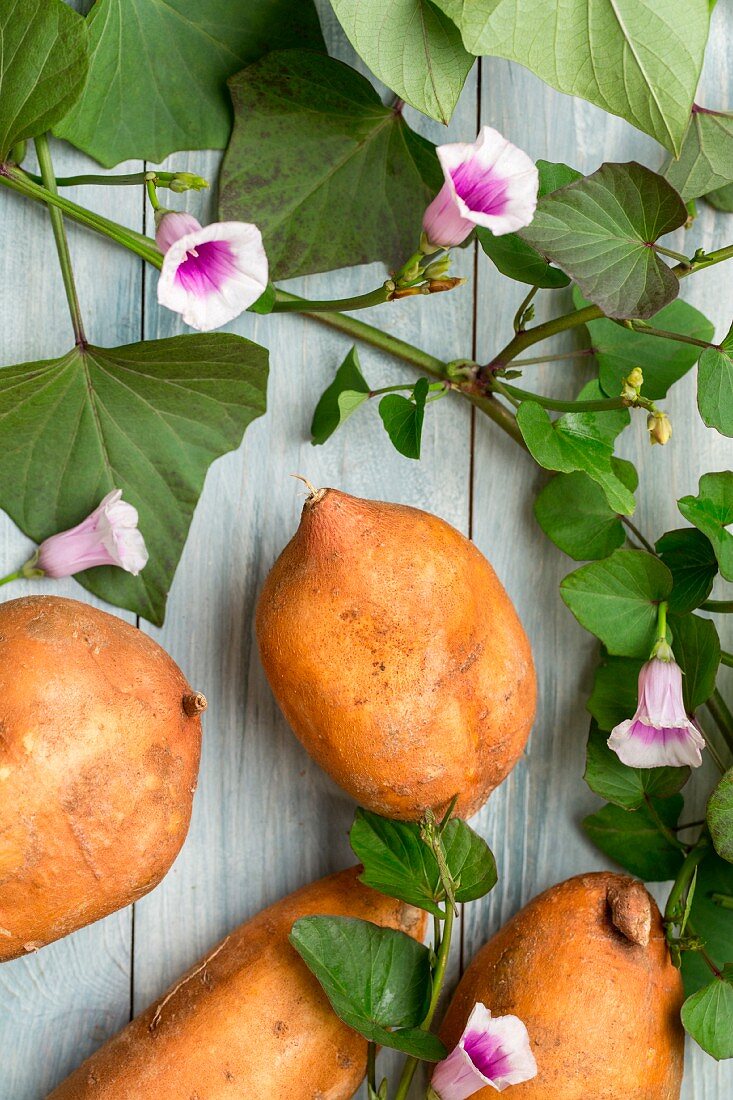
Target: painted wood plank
(59,1004)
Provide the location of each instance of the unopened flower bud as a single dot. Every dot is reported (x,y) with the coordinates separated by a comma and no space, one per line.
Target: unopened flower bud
(438,269)
(631,385)
(659,427)
(187,181)
(435,286)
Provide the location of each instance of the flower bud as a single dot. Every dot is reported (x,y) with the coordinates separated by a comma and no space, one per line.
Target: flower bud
(631,385)
(659,427)
(187,181)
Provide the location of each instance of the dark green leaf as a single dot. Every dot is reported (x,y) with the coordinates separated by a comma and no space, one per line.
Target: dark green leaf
(375,978)
(411,47)
(639,61)
(43,65)
(720,818)
(706,160)
(710,921)
(627,787)
(688,555)
(403,418)
(158,75)
(633,839)
(618,349)
(313,146)
(697,651)
(470,861)
(147,418)
(573,511)
(711,511)
(721,198)
(599,231)
(617,600)
(513,256)
(346,393)
(715,388)
(579,441)
(708,1016)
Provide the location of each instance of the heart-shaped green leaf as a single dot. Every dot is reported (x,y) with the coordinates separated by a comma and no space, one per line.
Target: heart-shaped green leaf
(618,350)
(412,47)
(601,230)
(720,817)
(711,511)
(614,695)
(158,75)
(43,65)
(375,978)
(696,648)
(639,61)
(573,511)
(579,441)
(146,418)
(403,418)
(626,787)
(708,1015)
(711,920)
(688,555)
(514,257)
(715,388)
(313,146)
(633,839)
(616,599)
(346,393)
(706,160)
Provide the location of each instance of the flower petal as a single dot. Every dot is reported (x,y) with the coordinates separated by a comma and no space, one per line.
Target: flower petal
(640,745)
(492,1051)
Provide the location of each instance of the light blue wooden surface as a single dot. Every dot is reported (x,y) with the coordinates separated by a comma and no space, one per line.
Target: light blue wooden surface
(266,820)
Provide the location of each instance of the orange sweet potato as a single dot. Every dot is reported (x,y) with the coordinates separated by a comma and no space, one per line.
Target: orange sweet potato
(586,967)
(98,765)
(396,656)
(250,1020)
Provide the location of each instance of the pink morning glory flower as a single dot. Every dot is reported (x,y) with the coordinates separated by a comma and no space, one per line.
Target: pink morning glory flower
(109,536)
(210,273)
(660,733)
(490,183)
(493,1051)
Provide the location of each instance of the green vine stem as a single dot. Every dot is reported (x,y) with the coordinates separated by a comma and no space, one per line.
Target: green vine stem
(722,716)
(12,577)
(726,658)
(675,902)
(62,245)
(724,607)
(128,179)
(602,405)
(288,303)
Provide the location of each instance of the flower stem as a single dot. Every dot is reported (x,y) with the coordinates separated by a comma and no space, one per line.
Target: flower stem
(411,1064)
(648,330)
(533,360)
(680,886)
(289,303)
(662,621)
(726,658)
(62,245)
(722,716)
(152,194)
(93,179)
(18,575)
(519,315)
(602,405)
(724,607)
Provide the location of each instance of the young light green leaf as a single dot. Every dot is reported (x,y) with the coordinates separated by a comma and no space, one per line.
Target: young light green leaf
(688,555)
(412,47)
(599,231)
(720,817)
(403,418)
(514,257)
(346,393)
(44,58)
(618,350)
(633,839)
(711,922)
(715,388)
(308,132)
(178,57)
(376,979)
(627,787)
(470,861)
(706,160)
(616,599)
(579,441)
(721,198)
(697,651)
(708,1016)
(639,61)
(146,418)
(711,511)
(573,511)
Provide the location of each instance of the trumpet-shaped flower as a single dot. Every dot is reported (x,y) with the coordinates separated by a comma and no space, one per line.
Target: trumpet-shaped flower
(109,536)
(493,1051)
(490,183)
(660,733)
(210,273)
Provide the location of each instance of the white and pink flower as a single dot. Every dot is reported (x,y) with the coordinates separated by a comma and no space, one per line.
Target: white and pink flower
(210,273)
(660,733)
(109,536)
(493,1051)
(489,182)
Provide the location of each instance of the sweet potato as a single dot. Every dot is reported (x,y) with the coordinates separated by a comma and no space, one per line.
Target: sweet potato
(396,656)
(249,1020)
(98,765)
(586,967)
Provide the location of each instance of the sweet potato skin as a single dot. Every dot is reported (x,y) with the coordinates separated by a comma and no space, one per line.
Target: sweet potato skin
(396,656)
(98,765)
(252,1022)
(602,1012)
